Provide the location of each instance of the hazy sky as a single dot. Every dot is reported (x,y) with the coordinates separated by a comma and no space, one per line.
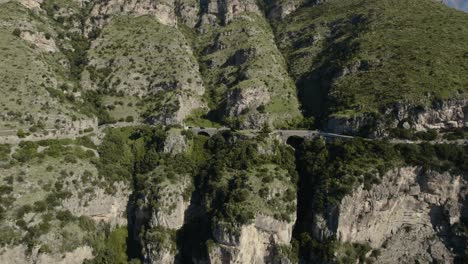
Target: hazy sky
(459,4)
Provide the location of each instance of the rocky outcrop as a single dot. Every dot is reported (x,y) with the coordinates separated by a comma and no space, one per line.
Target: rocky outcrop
(31,3)
(254,243)
(409,216)
(163,212)
(281,9)
(441,115)
(18,255)
(187,11)
(101,206)
(242,99)
(163,11)
(175,143)
(226,10)
(40,40)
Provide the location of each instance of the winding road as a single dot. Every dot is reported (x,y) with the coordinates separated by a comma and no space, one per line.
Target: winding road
(8,136)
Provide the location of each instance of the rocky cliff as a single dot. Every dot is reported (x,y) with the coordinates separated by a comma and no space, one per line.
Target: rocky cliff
(411,215)
(440,116)
(58,205)
(258,242)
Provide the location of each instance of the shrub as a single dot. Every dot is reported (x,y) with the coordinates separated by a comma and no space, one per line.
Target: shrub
(71,158)
(64,216)
(40,206)
(21,133)
(17,32)
(22,224)
(4,151)
(429,135)
(129,119)
(23,210)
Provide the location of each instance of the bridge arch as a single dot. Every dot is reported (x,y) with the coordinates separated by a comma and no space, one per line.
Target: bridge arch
(294,141)
(203,133)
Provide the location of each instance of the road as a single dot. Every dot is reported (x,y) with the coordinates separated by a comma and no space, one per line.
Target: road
(8,136)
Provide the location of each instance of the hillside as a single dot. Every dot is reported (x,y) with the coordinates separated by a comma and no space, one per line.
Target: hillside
(358,67)
(351,58)
(238,131)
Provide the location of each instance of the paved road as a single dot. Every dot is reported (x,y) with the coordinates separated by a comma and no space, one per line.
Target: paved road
(284,134)
(210,131)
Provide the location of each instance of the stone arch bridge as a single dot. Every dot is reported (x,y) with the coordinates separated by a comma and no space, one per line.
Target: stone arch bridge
(285,135)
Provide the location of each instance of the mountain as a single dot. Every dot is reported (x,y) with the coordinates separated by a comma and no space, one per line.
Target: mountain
(238,131)
(372,63)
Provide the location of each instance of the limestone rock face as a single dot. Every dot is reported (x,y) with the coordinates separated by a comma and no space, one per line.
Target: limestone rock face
(226,10)
(163,211)
(163,11)
(251,97)
(17,255)
(254,243)
(175,143)
(446,114)
(172,209)
(409,216)
(443,115)
(110,208)
(31,3)
(281,9)
(188,11)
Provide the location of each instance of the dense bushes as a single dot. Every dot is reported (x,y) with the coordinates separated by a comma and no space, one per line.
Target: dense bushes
(226,178)
(330,171)
(125,152)
(440,157)
(109,246)
(409,134)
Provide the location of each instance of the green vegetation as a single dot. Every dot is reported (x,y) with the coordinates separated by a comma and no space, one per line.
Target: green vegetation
(412,135)
(162,238)
(335,169)
(238,60)
(37,87)
(352,57)
(4,152)
(28,151)
(125,152)
(330,171)
(110,246)
(236,181)
(129,66)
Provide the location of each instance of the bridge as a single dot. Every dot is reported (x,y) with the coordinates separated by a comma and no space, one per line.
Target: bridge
(8,136)
(285,135)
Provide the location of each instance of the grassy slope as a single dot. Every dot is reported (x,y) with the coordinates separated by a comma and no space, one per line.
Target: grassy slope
(28,75)
(137,56)
(411,51)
